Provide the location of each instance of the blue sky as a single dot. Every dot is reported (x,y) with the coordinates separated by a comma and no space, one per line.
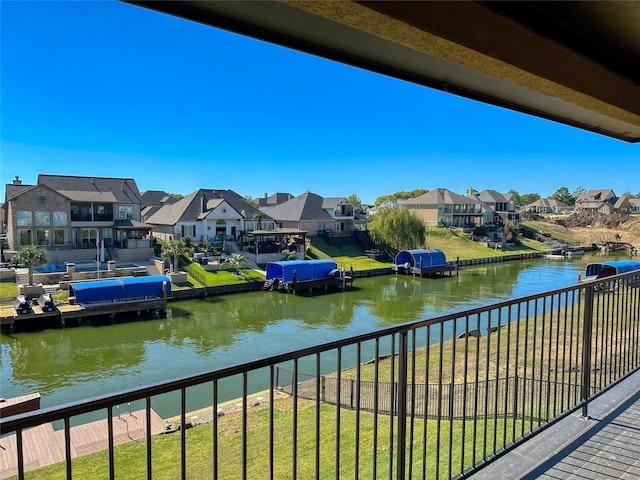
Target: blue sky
(111,89)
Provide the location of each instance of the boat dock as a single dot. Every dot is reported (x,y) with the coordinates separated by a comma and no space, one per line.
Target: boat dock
(431,271)
(63,313)
(42,445)
(326,283)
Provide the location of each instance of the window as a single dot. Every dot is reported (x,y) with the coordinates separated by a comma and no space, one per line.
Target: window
(42,236)
(60,236)
(59,219)
(24,219)
(321,226)
(104,212)
(24,236)
(125,212)
(43,219)
(188,231)
(81,212)
(250,226)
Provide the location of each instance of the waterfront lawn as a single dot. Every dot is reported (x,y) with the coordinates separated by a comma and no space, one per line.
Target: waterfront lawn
(345,256)
(130,458)
(8,289)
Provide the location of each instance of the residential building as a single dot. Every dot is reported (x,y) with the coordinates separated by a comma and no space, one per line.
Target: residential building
(603,201)
(275,199)
(442,207)
(154,200)
(635,205)
(498,208)
(67,215)
(547,205)
(312,213)
(208,214)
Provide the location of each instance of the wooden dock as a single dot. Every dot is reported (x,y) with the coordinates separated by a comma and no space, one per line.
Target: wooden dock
(431,271)
(62,313)
(42,445)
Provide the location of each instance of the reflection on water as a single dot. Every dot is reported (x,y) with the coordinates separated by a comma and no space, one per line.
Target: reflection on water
(81,362)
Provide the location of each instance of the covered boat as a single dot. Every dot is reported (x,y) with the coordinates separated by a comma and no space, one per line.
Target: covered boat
(120,289)
(422,262)
(296,275)
(608,269)
(304,270)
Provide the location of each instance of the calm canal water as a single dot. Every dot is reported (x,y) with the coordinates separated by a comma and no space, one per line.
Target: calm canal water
(75,363)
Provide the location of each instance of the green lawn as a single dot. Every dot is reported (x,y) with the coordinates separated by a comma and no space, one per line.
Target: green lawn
(8,289)
(130,458)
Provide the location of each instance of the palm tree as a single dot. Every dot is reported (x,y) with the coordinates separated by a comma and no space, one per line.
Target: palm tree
(258,217)
(173,249)
(238,261)
(30,256)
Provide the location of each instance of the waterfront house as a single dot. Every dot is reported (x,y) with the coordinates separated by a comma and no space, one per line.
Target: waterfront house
(635,205)
(442,207)
(603,201)
(331,217)
(208,214)
(154,200)
(67,215)
(498,208)
(547,205)
(275,199)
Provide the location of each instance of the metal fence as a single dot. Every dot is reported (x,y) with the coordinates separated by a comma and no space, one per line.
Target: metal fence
(439,399)
(427,401)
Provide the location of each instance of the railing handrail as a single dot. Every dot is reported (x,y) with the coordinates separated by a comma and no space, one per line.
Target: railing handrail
(551,333)
(29,419)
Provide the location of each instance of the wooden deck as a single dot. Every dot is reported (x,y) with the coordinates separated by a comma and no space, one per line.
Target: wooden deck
(44,446)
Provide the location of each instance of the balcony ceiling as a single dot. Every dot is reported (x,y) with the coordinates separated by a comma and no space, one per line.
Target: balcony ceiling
(574,62)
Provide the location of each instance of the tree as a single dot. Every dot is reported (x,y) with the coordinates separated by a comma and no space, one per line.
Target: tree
(577,192)
(401,195)
(398,229)
(173,249)
(517,197)
(355,201)
(527,198)
(237,261)
(250,200)
(563,195)
(30,256)
(258,217)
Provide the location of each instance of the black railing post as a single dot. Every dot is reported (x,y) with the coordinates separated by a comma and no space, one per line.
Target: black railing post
(402,403)
(587,334)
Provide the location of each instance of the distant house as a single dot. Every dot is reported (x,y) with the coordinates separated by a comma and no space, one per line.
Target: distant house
(635,205)
(603,201)
(312,213)
(547,205)
(275,199)
(153,200)
(207,214)
(442,207)
(498,208)
(68,214)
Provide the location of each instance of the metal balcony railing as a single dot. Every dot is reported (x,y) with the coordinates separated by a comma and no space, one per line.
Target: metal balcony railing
(438,398)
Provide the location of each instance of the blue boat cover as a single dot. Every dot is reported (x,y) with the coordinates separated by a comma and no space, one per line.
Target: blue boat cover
(125,288)
(421,258)
(305,269)
(615,267)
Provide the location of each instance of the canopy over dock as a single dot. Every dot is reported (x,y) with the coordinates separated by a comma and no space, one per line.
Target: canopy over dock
(608,269)
(422,262)
(304,270)
(125,288)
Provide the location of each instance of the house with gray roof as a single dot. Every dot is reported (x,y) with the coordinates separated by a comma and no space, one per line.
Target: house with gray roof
(547,205)
(635,205)
(498,208)
(69,215)
(312,213)
(603,201)
(208,214)
(154,200)
(275,199)
(442,207)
